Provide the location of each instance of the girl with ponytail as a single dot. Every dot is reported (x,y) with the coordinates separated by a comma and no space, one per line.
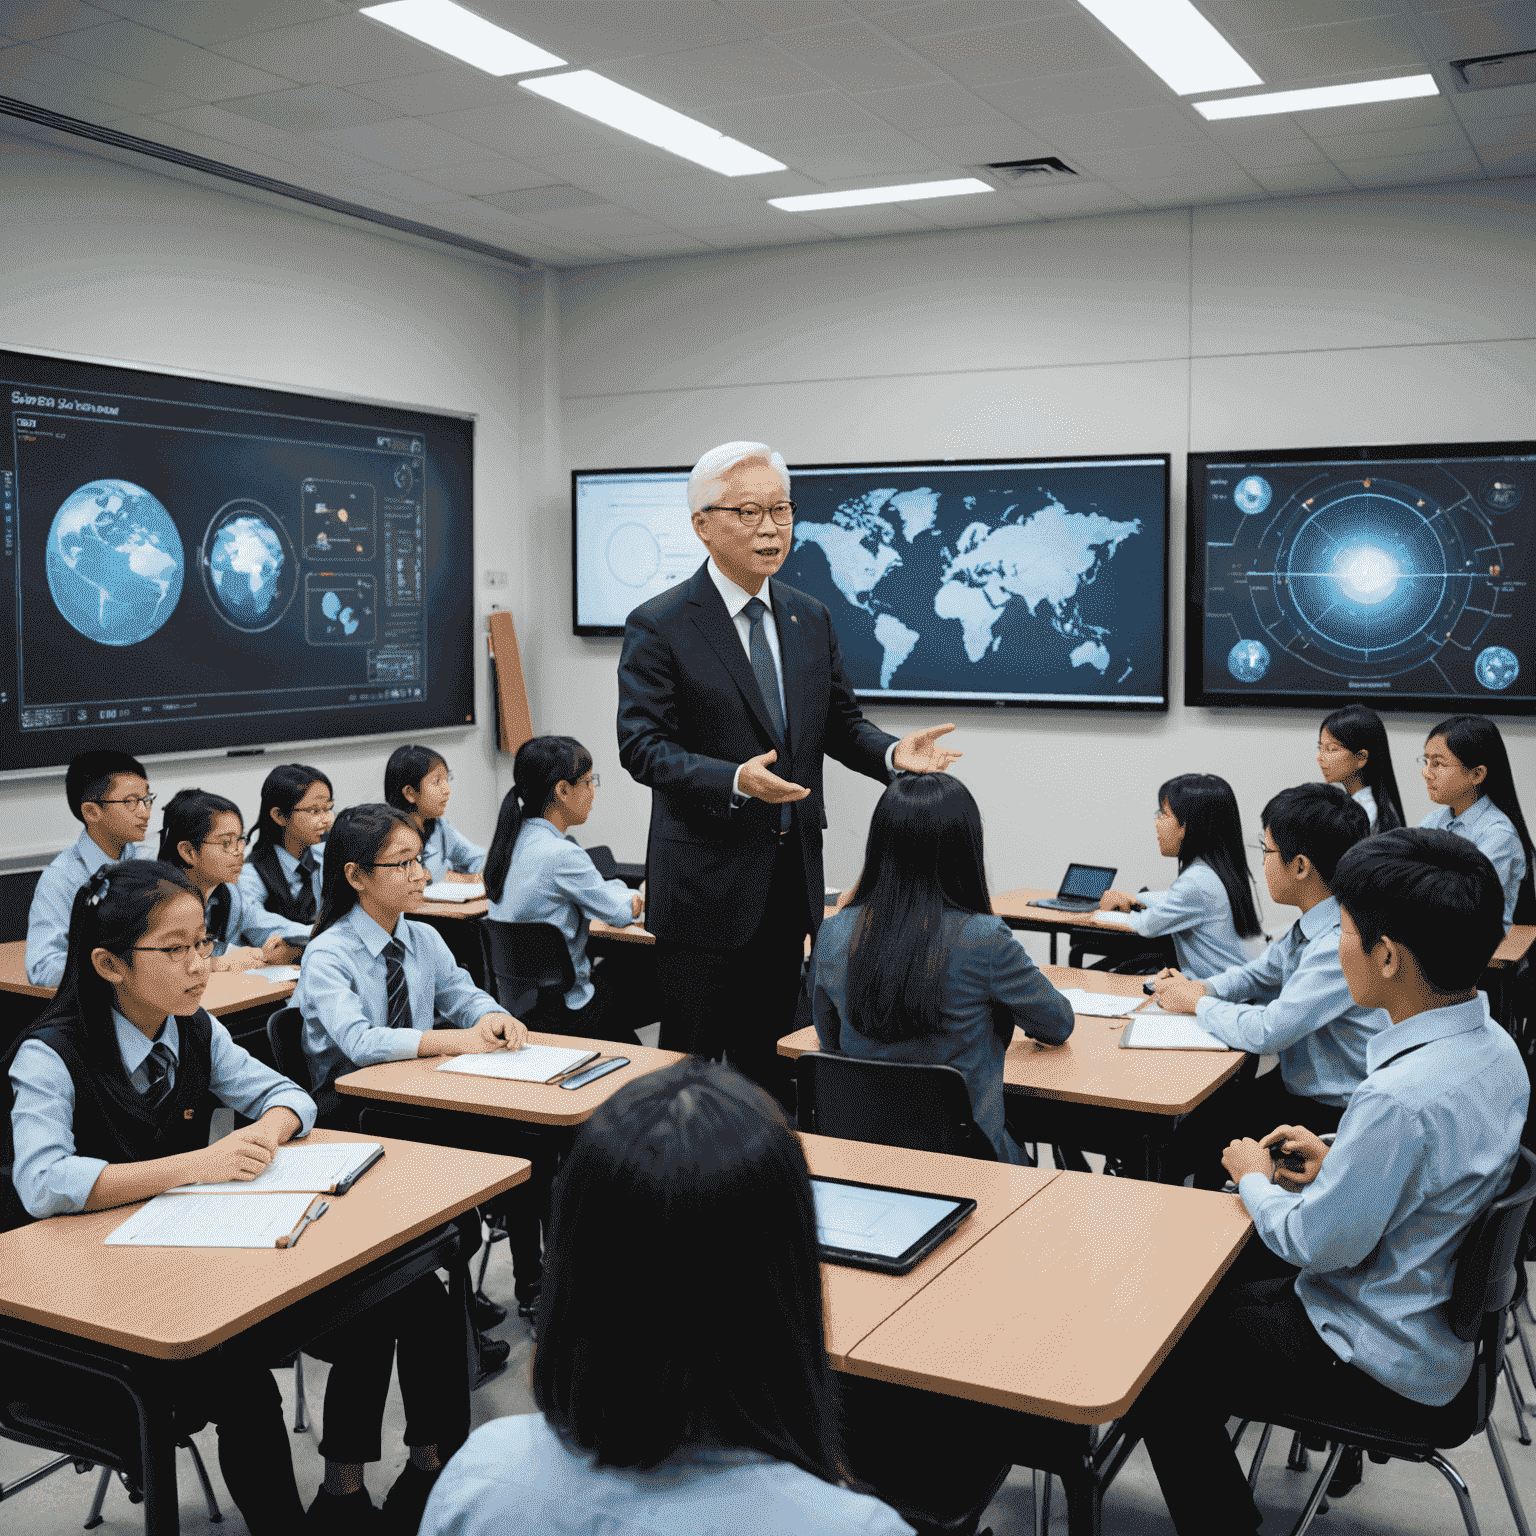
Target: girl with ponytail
(536,874)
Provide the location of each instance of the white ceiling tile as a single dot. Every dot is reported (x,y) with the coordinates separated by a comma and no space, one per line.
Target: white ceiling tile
(625,163)
(982,146)
(207,22)
(1396,170)
(344,50)
(527,126)
(1256,142)
(538,202)
(856,57)
(975,212)
(719,76)
(406,143)
(1506,101)
(1154,161)
(1375,116)
(840,158)
(46,68)
(31,20)
(1509,160)
(1189,190)
(1242,18)
(439,90)
(1480,29)
(404,188)
(232,128)
(600,222)
(1026,50)
(126,48)
(940,105)
(670,243)
(1502,132)
(57,99)
(822,112)
(1340,147)
(476,180)
(948,16)
(1291,179)
(308,109)
(1138,126)
(886,219)
(590,31)
(788,15)
(1347,48)
(1070,95)
(1075,200)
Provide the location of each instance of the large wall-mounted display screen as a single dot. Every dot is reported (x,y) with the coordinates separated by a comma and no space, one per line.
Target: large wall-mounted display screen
(193,564)
(990,582)
(1395,576)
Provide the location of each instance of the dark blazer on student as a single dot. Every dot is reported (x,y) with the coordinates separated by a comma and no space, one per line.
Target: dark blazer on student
(690,713)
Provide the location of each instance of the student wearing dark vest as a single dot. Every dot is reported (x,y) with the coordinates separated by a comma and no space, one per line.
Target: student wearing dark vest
(203,834)
(282,867)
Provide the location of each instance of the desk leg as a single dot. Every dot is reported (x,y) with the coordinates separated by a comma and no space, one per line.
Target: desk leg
(1053,946)
(157,1447)
(1085,1503)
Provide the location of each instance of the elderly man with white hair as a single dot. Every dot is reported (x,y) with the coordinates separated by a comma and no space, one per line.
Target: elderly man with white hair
(731,692)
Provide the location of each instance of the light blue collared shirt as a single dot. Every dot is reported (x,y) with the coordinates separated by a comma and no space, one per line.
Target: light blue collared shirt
(342,995)
(1309,1016)
(448,849)
(1487,827)
(1429,1139)
(516,1474)
(1195,912)
(255,887)
(553,880)
(251,923)
(50,1178)
(48,920)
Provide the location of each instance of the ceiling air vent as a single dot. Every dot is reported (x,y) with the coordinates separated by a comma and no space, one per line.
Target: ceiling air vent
(1494,70)
(1029,173)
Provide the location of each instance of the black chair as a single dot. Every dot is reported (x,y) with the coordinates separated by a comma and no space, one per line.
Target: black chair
(527,966)
(893,1103)
(15,903)
(633,875)
(1486,1284)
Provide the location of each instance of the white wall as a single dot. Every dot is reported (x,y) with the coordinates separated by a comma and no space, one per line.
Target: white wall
(111,261)
(1406,315)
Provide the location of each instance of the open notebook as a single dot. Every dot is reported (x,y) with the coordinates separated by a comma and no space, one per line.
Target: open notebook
(454,890)
(331,1169)
(1154,1030)
(530,1064)
(202,1220)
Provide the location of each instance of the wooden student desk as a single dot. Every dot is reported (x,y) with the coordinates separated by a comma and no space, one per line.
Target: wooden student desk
(127,1315)
(1090,1093)
(1015,910)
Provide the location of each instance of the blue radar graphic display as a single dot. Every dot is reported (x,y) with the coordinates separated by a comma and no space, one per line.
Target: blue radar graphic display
(1400,576)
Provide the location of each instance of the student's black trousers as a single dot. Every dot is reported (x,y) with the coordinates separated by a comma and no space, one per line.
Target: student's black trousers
(740,1003)
(1251,1352)
(1252,1108)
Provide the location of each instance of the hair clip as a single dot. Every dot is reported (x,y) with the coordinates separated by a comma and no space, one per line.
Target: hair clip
(99,886)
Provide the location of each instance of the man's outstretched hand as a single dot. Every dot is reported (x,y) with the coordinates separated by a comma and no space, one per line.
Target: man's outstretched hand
(754,779)
(920,752)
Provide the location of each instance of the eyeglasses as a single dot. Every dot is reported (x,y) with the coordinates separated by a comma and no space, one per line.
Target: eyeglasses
(594,779)
(139,801)
(313,810)
(782,513)
(405,864)
(1437,763)
(228,844)
(1160,812)
(179,952)
(1263,848)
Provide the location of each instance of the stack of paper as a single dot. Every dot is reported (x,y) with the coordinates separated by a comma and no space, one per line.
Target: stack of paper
(275,972)
(317,1170)
(1100,1005)
(454,890)
(1168,1032)
(530,1064)
(202,1220)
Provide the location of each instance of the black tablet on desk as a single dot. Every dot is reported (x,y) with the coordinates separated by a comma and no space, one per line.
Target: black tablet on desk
(871,1226)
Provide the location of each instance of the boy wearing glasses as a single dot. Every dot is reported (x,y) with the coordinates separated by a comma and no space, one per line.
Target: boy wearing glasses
(108,792)
(1293,999)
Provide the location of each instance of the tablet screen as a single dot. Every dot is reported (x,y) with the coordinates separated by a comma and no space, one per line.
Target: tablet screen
(883,1223)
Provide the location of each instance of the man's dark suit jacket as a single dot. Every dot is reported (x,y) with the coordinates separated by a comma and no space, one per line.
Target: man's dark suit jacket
(690,713)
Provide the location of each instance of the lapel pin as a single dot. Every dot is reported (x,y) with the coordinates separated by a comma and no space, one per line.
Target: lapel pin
(794,618)
(187,1114)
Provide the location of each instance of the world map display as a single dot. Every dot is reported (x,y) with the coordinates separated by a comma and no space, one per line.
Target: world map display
(1037,582)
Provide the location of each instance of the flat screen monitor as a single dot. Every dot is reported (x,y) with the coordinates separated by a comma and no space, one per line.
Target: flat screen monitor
(189,564)
(1037,582)
(1397,577)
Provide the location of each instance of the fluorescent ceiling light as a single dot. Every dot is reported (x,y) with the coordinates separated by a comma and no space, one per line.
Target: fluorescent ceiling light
(1176,42)
(466,36)
(1400,89)
(862,197)
(630,112)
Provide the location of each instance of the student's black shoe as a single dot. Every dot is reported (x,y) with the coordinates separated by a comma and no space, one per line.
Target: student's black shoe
(487,1314)
(1348,1473)
(528,1310)
(493,1360)
(346,1514)
(406,1500)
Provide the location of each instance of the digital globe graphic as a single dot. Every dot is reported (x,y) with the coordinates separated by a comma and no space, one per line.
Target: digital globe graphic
(1497,667)
(249,567)
(1248,660)
(1252,494)
(115,562)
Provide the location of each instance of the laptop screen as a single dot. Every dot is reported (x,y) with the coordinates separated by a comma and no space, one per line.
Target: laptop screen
(1087,882)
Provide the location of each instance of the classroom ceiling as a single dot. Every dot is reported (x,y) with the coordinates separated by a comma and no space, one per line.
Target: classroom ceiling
(847,93)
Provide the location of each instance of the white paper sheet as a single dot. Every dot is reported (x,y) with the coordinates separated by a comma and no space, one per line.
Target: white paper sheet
(1168,1032)
(275,972)
(317,1169)
(211,1221)
(454,890)
(1100,1005)
(531,1064)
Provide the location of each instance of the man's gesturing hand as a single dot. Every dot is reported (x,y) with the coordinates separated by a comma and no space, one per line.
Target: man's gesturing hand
(754,779)
(920,752)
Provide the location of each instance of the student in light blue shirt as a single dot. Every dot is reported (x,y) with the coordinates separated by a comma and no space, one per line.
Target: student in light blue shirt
(1429,1140)
(1208,911)
(1466,771)
(202,833)
(1293,999)
(536,873)
(418,782)
(720,1414)
(283,866)
(108,792)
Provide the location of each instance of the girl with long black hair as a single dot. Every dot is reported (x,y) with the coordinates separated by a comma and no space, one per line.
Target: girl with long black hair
(1208,910)
(282,871)
(916,967)
(1352,750)
(418,781)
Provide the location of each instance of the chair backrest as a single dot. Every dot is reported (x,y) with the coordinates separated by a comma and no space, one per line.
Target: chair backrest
(602,857)
(526,958)
(1485,1263)
(893,1103)
(16,903)
(284,1031)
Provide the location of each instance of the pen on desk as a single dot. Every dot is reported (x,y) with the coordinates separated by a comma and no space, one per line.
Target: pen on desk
(314,1213)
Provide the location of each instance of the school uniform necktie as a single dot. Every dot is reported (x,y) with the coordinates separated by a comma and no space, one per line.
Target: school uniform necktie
(767,684)
(216,914)
(157,1068)
(304,903)
(395,989)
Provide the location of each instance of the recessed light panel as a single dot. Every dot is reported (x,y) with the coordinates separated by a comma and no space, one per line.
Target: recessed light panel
(1402,88)
(630,112)
(1175,42)
(863,197)
(452,29)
